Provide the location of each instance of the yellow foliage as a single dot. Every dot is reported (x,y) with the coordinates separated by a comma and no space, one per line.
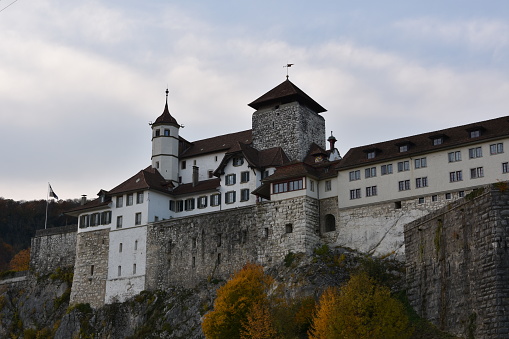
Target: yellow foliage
(20,262)
(362,309)
(259,324)
(234,301)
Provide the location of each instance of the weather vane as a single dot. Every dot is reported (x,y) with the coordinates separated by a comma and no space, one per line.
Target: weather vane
(287,66)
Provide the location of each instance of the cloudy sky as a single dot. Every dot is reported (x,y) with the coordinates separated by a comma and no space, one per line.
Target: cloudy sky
(81,80)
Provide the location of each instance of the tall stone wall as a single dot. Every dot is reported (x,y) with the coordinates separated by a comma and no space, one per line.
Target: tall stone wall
(53,248)
(457,262)
(291,126)
(188,250)
(91,268)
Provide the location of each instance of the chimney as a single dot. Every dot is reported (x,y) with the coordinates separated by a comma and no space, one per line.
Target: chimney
(83,199)
(195,175)
(332,140)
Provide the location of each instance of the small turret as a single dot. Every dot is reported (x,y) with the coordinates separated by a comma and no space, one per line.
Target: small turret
(165,141)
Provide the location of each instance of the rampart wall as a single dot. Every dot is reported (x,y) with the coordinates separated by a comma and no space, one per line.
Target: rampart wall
(52,248)
(457,261)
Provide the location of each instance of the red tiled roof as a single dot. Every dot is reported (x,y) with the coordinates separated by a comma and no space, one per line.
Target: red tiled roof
(284,93)
(149,178)
(423,143)
(91,205)
(201,186)
(216,144)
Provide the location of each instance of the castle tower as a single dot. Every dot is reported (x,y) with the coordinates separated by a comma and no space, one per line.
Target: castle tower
(165,144)
(287,117)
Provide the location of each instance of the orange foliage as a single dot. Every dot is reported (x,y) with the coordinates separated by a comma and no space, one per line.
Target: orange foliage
(234,301)
(21,261)
(362,309)
(259,324)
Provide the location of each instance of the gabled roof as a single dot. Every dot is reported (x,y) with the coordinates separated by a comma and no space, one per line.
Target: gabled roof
(149,178)
(284,93)
(220,143)
(89,206)
(201,186)
(166,118)
(423,143)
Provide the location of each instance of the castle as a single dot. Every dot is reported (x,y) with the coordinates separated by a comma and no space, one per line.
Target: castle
(204,208)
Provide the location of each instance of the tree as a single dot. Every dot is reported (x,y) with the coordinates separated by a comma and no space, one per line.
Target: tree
(234,301)
(362,309)
(259,324)
(21,261)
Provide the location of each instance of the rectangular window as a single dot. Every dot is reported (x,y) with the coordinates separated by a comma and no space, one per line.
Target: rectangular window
(211,174)
(403,148)
(371,154)
(94,219)
(172,205)
(404,185)
(328,185)
(448,196)
(461,194)
(371,191)
(120,248)
(386,169)
(136,245)
(421,200)
(438,141)
(158,132)
(475,152)
(454,156)
(230,179)
(189,204)
(420,163)
(355,175)
(244,176)
(137,219)
(237,161)
(183,164)
(370,172)
(179,205)
(166,132)
(421,182)
(355,194)
(202,202)
(134,268)
(244,195)
(91,269)
(312,185)
(119,221)
(106,218)
(129,200)
(403,166)
(229,197)
(505,167)
(475,134)
(497,148)
(84,219)
(434,198)
(120,201)
(455,176)
(477,172)
(139,198)
(215,199)
(288,186)
(119,270)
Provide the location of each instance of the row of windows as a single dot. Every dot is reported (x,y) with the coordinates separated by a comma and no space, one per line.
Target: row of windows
(288,186)
(95,219)
(119,270)
(231,179)
(403,185)
(130,199)
(137,220)
(202,202)
(166,132)
(476,152)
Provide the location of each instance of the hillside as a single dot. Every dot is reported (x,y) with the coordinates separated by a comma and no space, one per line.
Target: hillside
(39,307)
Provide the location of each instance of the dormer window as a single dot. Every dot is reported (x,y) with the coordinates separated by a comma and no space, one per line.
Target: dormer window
(238,161)
(438,141)
(403,148)
(475,133)
(371,154)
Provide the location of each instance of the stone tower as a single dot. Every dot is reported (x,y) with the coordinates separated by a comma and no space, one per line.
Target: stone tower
(165,144)
(287,117)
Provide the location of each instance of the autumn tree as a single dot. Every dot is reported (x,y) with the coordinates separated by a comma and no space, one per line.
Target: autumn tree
(21,261)
(362,309)
(258,324)
(235,300)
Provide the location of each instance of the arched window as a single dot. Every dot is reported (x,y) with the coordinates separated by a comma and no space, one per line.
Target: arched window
(330,223)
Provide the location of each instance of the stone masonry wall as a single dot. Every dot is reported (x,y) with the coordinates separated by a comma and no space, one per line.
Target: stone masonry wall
(89,284)
(291,126)
(52,248)
(187,250)
(457,262)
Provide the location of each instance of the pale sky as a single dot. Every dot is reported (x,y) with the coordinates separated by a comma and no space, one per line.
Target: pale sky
(81,80)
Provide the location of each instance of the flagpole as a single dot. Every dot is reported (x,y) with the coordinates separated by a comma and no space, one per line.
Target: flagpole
(47,198)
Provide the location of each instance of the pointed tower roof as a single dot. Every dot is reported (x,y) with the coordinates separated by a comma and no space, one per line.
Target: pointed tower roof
(284,93)
(166,118)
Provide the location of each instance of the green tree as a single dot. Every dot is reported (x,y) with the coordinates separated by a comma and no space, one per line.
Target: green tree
(234,302)
(362,309)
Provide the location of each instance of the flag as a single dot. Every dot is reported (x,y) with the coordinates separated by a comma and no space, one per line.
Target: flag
(51,193)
